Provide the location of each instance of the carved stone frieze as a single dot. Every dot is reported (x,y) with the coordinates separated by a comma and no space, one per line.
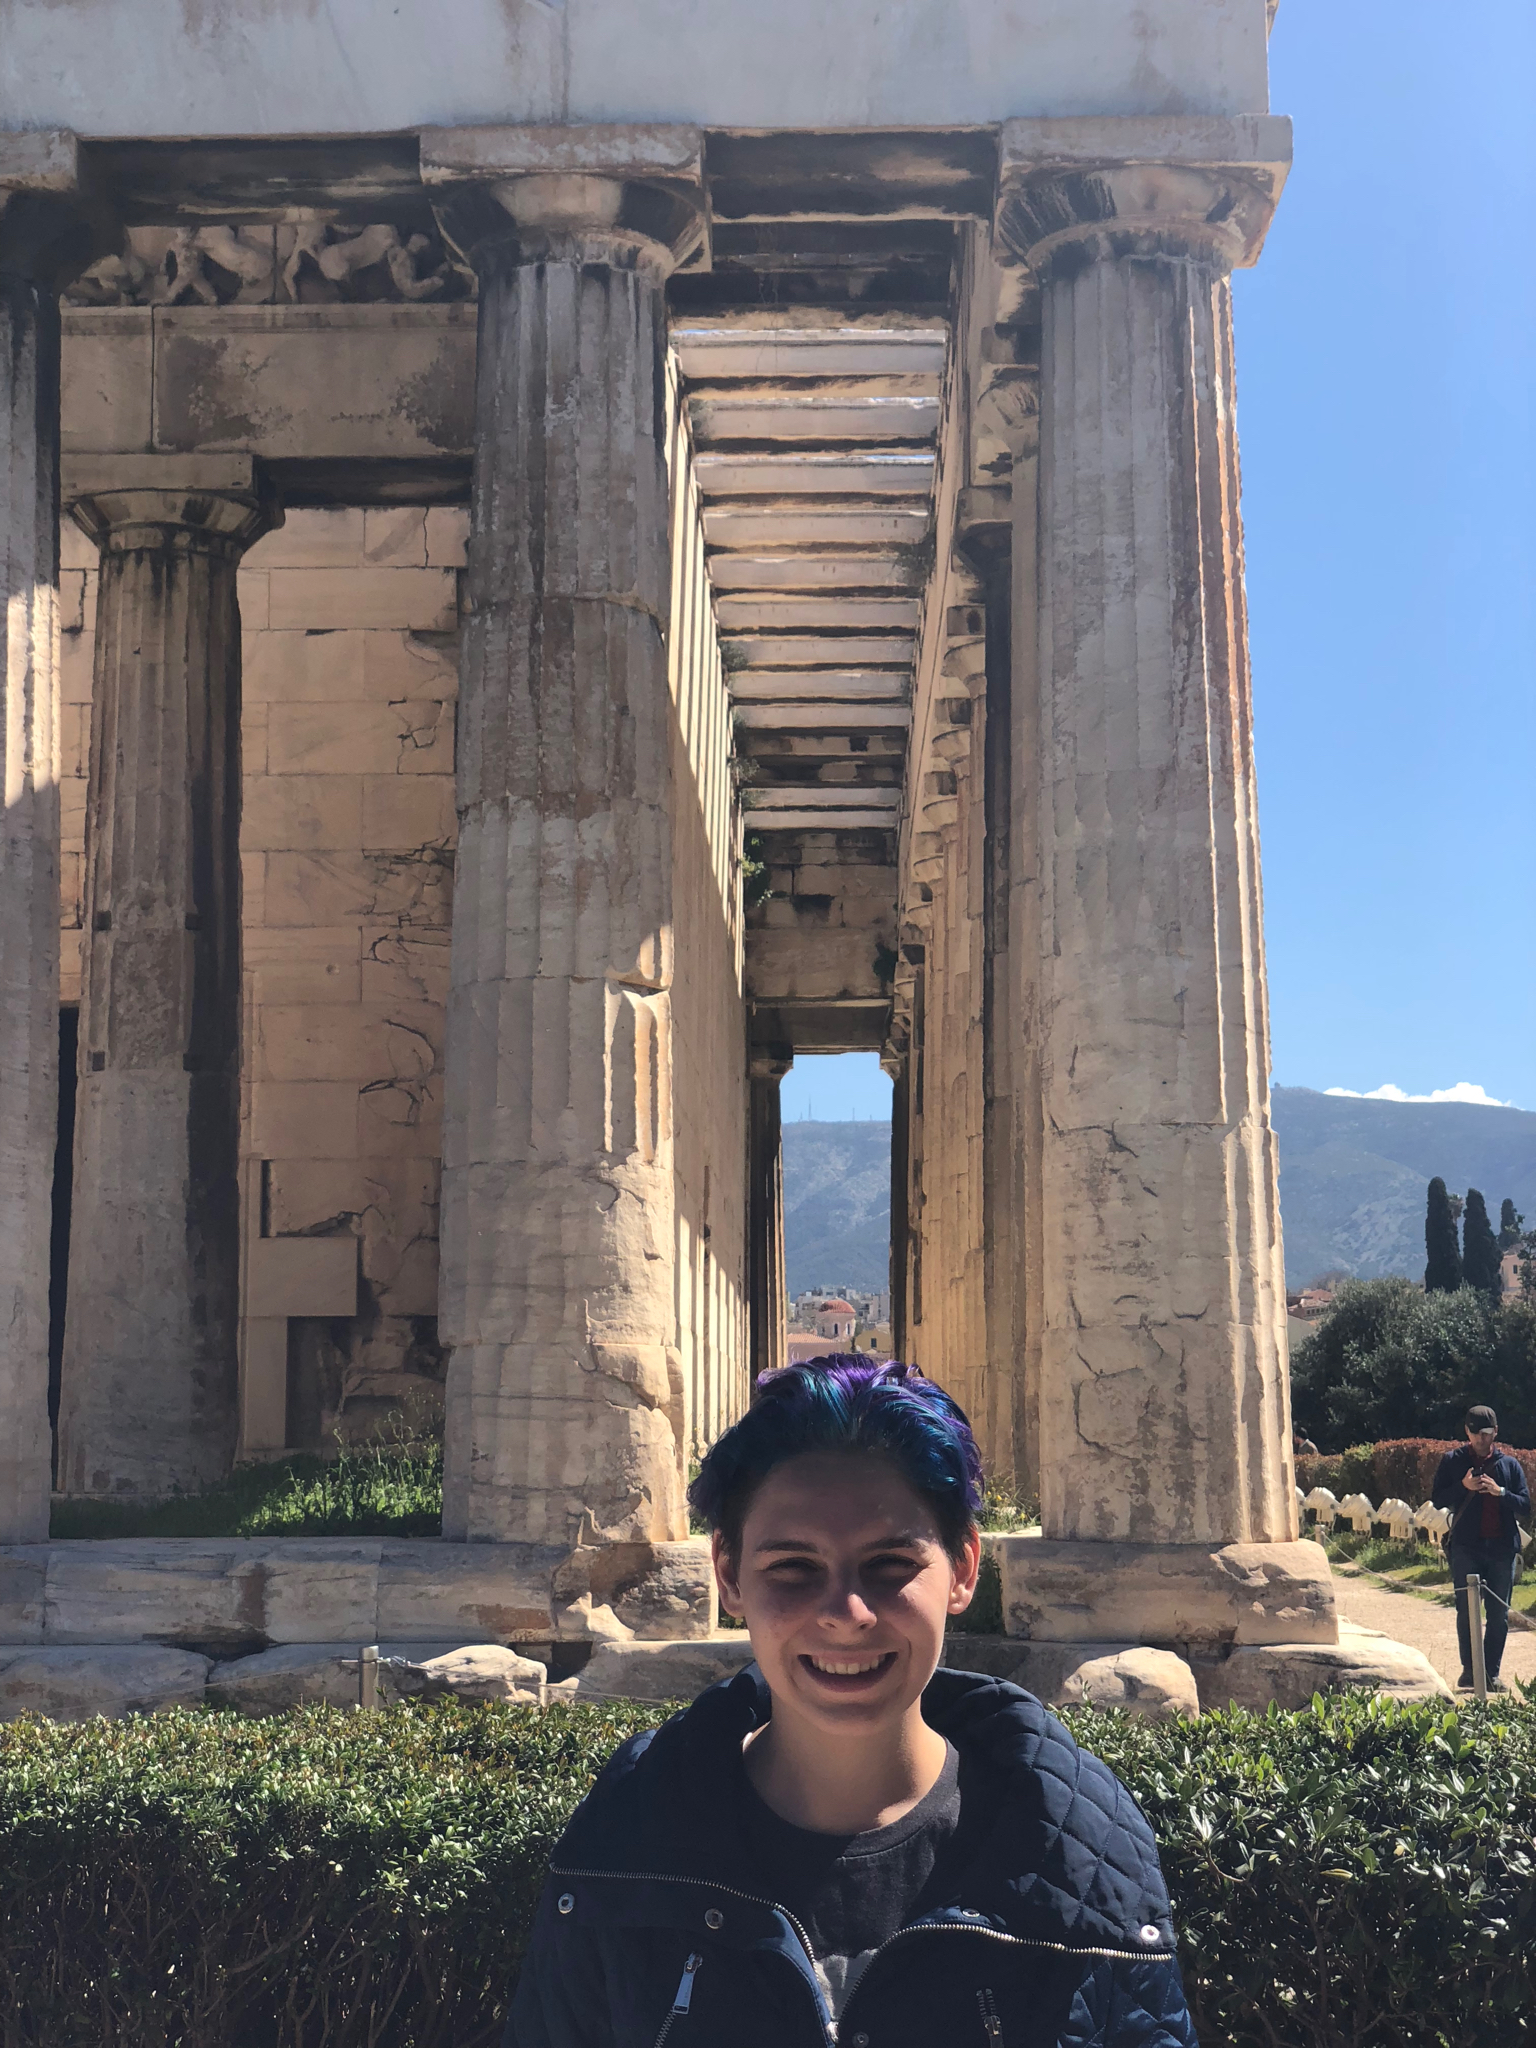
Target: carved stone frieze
(309,263)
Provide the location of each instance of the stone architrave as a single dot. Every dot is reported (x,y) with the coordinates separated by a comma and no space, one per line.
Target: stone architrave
(1163,1390)
(43,241)
(149,1394)
(767,1284)
(558,1223)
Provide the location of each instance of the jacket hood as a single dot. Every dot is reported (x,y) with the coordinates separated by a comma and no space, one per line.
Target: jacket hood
(1062,1855)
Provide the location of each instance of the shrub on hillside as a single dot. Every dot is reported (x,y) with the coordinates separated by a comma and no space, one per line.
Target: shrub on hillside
(1358,1875)
(1391,1362)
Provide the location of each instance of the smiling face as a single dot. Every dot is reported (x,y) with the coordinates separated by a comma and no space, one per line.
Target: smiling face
(845,1585)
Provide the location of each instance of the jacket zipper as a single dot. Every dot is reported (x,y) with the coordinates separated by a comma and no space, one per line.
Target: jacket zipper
(992,2026)
(683,2000)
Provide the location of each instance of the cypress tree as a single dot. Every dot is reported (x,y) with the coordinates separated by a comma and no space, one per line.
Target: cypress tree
(1511,1223)
(1443,1273)
(1479,1246)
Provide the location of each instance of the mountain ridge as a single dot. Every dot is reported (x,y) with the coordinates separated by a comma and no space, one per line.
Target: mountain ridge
(1353,1175)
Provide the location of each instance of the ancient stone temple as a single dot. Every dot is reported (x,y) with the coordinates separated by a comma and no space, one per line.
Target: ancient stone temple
(557,557)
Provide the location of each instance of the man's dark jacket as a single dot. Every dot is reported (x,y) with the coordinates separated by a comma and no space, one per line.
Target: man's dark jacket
(1466,1509)
(1055,1932)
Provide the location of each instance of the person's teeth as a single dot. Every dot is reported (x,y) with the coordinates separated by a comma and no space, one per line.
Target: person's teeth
(846,1670)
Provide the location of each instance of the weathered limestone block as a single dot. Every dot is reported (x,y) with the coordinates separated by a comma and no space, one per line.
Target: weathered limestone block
(274,1681)
(662,1671)
(653,1592)
(23,1592)
(1156,1684)
(1161,1593)
(475,1592)
(1163,1399)
(477,1672)
(148,1402)
(307,1674)
(220,1595)
(233,1597)
(1290,1673)
(77,1684)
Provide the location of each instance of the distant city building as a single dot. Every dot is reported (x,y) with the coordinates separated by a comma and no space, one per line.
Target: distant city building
(808,1311)
(836,1320)
(1310,1303)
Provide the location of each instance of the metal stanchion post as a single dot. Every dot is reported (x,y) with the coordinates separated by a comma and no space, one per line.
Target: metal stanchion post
(368,1675)
(1475,1628)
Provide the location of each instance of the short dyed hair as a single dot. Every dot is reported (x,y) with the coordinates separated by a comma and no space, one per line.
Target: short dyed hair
(1482,1418)
(847,1402)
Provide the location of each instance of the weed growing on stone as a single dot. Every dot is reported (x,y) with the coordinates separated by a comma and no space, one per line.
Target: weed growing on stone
(385,1489)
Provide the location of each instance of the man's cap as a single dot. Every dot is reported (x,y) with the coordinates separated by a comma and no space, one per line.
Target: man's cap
(1482,1418)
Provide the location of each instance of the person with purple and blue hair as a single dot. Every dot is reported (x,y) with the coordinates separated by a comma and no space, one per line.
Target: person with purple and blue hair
(846,1843)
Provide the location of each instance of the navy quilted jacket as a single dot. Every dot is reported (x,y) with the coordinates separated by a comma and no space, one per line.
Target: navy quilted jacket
(651,1933)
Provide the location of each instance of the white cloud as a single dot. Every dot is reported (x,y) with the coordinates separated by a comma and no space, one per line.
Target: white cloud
(1464,1091)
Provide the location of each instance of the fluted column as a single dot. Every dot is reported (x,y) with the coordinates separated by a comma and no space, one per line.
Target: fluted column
(564,1399)
(149,1396)
(766,1280)
(42,241)
(1163,1397)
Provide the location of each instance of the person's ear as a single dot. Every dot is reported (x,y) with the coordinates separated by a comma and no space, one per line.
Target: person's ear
(727,1576)
(963,1574)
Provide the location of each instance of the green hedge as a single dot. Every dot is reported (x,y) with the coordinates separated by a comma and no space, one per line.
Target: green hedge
(1401,1468)
(1360,1873)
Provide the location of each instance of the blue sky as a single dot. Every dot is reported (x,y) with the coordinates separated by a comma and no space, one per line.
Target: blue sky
(1385,367)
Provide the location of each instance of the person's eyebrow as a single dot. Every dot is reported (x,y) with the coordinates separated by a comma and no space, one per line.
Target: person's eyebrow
(901,1539)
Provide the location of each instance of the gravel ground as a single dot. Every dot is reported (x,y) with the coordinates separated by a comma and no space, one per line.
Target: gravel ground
(1424,1625)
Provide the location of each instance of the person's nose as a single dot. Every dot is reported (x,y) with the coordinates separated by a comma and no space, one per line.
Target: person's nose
(844,1604)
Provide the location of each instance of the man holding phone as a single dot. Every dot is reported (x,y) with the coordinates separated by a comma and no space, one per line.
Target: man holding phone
(1484,1492)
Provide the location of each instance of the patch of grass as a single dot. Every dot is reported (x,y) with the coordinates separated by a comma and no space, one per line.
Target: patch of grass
(388,1489)
(1005,1511)
(1417,1564)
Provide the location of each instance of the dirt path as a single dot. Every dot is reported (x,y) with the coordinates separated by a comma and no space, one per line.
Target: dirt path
(1424,1625)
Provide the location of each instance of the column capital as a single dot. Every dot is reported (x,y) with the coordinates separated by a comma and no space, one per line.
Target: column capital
(215,503)
(769,1062)
(630,195)
(1077,190)
(53,224)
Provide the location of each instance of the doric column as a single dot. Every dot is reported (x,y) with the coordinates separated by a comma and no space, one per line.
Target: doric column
(766,1283)
(149,1396)
(984,537)
(1163,1400)
(42,242)
(558,1224)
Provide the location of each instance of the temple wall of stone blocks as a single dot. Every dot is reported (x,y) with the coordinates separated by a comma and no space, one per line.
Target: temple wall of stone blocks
(350,654)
